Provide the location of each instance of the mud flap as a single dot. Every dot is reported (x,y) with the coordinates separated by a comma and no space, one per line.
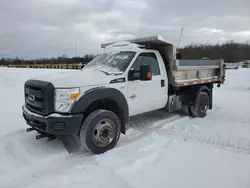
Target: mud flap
(72,144)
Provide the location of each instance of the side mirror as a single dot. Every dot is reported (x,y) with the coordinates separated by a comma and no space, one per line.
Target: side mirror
(145,72)
(133,75)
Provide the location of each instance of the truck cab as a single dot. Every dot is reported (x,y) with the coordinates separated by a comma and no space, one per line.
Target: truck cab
(149,93)
(127,79)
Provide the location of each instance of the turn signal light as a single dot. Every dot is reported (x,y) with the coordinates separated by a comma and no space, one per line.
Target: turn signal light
(73,96)
(149,75)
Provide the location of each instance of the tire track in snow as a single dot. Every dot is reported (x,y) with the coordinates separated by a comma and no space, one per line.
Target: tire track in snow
(237,145)
(176,129)
(149,119)
(179,130)
(240,120)
(41,169)
(233,144)
(143,125)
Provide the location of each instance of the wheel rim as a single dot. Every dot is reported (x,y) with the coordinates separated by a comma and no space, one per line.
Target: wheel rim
(204,104)
(203,108)
(104,132)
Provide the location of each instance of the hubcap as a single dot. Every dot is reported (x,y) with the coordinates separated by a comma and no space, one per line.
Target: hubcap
(104,132)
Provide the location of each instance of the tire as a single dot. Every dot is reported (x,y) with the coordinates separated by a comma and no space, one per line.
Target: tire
(201,105)
(100,131)
(187,110)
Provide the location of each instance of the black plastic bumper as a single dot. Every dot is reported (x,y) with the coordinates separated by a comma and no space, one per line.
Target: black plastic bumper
(53,124)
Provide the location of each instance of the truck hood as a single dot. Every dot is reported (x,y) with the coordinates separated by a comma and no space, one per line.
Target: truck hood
(84,77)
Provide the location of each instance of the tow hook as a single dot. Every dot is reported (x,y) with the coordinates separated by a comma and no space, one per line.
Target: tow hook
(40,136)
(30,129)
(50,137)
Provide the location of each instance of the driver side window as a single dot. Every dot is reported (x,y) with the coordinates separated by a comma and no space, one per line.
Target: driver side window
(147,58)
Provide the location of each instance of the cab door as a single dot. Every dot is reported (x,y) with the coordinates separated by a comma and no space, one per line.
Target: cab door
(145,96)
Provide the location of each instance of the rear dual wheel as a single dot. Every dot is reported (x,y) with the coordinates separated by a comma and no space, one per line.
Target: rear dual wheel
(200,106)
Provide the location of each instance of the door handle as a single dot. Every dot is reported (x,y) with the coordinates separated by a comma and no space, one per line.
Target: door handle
(133,96)
(162,83)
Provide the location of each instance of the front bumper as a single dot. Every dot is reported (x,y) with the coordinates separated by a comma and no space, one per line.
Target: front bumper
(53,124)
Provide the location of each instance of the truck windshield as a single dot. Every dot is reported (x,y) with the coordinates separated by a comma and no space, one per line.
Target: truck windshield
(111,62)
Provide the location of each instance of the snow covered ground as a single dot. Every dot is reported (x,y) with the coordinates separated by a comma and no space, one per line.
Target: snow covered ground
(160,149)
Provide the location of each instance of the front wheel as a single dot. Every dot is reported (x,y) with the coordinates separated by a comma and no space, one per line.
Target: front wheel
(100,131)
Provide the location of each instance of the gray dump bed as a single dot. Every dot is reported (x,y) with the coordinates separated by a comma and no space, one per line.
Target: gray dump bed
(192,72)
(183,72)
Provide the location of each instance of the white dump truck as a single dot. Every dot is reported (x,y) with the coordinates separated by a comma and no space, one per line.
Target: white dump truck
(127,79)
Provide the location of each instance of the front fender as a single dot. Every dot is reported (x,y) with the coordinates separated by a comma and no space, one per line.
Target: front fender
(99,93)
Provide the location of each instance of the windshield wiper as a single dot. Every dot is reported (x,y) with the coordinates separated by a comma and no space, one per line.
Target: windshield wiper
(109,73)
(105,72)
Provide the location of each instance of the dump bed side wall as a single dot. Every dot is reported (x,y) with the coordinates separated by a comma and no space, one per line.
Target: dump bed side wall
(193,72)
(196,62)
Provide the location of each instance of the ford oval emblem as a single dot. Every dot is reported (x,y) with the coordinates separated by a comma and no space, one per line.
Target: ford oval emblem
(31,97)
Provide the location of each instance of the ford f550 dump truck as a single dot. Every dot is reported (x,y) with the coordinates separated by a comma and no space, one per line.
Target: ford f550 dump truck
(128,78)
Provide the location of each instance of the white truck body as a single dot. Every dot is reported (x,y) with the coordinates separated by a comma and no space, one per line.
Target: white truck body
(128,79)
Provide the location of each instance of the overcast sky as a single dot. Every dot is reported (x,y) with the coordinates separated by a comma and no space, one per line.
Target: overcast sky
(50,28)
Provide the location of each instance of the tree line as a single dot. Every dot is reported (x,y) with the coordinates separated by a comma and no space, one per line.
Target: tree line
(229,51)
(59,60)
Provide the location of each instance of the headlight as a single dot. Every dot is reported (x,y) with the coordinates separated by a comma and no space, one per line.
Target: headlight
(64,98)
